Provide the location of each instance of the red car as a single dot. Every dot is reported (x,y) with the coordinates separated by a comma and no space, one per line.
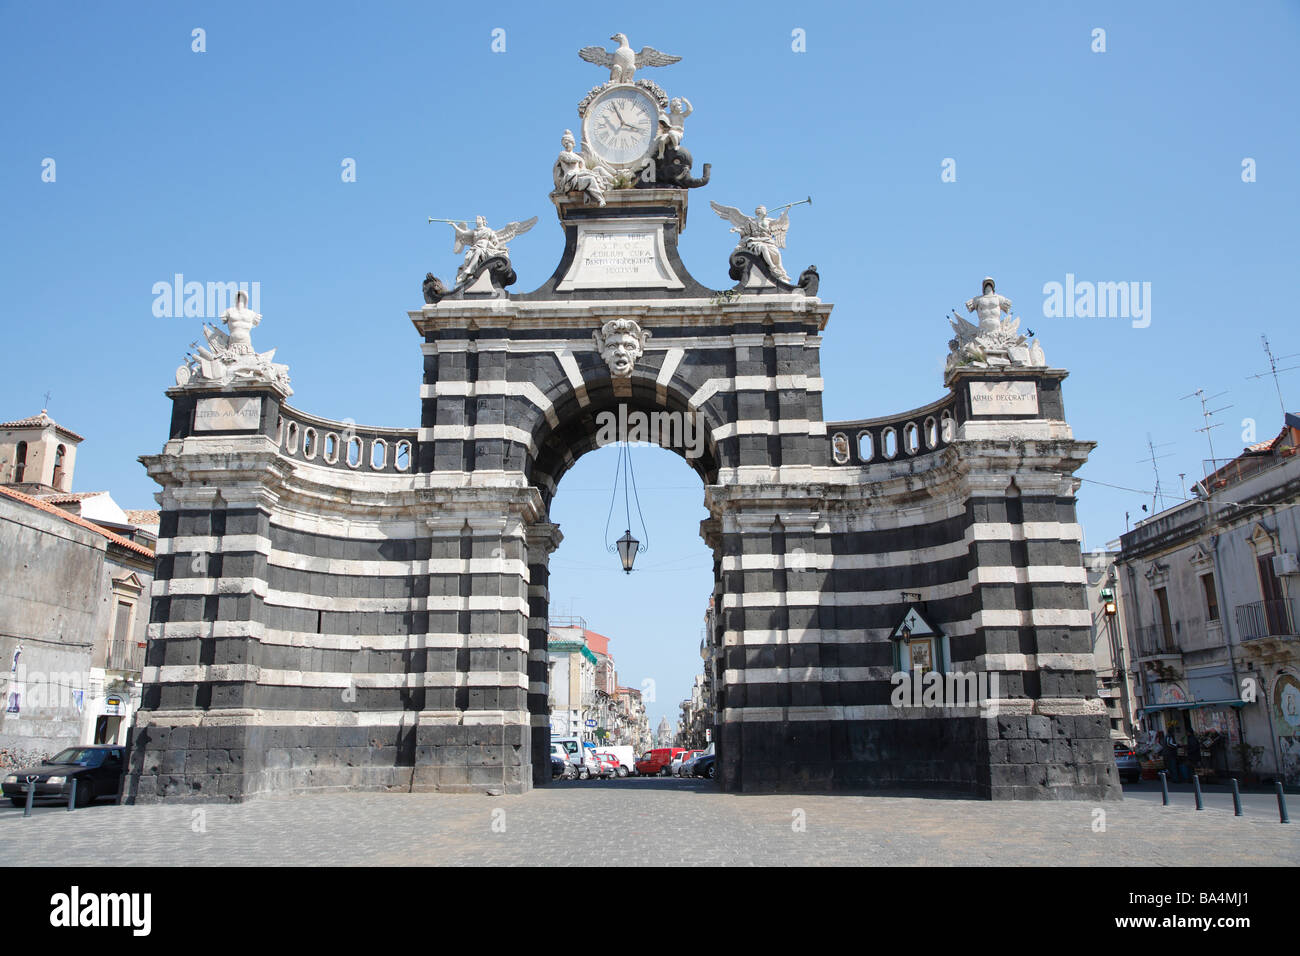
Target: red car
(618,770)
(656,761)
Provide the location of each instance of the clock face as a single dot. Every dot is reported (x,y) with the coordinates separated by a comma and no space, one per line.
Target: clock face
(621,126)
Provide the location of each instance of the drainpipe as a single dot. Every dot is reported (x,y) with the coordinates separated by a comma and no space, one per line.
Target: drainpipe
(1117,657)
(1220,587)
(1137,626)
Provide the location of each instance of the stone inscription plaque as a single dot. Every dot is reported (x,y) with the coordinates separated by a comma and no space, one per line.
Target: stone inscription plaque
(1003,398)
(227,414)
(610,256)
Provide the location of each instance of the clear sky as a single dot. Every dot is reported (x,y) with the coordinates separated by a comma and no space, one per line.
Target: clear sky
(226,165)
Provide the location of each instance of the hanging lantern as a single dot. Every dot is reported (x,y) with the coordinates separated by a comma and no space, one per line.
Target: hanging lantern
(627,546)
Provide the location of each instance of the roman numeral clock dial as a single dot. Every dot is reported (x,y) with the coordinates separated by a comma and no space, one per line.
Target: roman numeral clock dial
(621,126)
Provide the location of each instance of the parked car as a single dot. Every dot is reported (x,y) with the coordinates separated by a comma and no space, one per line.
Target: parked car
(626,757)
(584,764)
(97,770)
(1126,762)
(655,762)
(703,766)
(619,769)
(693,760)
(560,767)
(676,765)
(607,766)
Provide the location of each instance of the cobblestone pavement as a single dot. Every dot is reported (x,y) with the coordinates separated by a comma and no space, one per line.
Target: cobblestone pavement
(643,822)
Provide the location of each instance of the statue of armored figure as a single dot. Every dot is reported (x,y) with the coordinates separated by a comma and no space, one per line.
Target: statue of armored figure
(229,356)
(995,342)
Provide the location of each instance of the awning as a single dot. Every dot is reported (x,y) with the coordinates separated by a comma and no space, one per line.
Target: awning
(1192,705)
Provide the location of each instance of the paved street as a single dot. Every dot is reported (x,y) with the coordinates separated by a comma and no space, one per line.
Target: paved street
(648,822)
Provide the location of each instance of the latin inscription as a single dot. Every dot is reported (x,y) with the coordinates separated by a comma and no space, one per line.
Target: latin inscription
(623,259)
(227,414)
(1003,398)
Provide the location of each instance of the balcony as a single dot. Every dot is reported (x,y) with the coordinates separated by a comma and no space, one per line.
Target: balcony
(1265,619)
(1153,641)
(126,656)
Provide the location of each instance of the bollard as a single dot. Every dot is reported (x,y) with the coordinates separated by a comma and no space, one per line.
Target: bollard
(1236,798)
(31,796)
(1281,802)
(72,795)
(1196,788)
(1164,787)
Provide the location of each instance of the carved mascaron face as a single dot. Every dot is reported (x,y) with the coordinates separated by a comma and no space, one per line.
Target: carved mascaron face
(621,352)
(621,342)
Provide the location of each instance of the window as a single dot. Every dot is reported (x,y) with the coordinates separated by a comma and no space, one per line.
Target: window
(1211,597)
(58,464)
(1271,588)
(20,462)
(1166,633)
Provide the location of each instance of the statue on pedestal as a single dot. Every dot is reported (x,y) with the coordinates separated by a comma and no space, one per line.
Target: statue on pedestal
(759,235)
(571,174)
(229,356)
(995,342)
(482,242)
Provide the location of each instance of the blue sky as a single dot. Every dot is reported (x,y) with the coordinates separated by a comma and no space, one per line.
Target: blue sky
(225,166)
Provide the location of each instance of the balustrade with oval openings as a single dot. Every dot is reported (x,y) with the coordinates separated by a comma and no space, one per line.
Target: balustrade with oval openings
(911,438)
(889,442)
(931,433)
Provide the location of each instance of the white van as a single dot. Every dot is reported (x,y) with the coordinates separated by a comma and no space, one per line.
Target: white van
(626,758)
(579,755)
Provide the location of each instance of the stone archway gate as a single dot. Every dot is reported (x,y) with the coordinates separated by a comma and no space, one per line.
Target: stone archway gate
(337,606)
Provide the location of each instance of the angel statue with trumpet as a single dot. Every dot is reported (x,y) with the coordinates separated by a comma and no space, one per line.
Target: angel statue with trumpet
(482,242)
(759,235)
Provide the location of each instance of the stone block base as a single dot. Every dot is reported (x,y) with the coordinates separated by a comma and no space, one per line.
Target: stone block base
(202,761)
(1068,758)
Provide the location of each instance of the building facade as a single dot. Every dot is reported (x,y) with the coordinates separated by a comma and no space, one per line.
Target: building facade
(1208,590)
(74,602)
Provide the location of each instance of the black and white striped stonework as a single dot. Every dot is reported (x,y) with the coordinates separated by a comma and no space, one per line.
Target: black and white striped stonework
(338,606)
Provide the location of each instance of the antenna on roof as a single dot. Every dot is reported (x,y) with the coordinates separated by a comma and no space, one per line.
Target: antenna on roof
(1274,371)
(1207,413)
(47,402)
(1153,458)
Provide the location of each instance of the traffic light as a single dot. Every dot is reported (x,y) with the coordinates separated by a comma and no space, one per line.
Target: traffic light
(1108,605)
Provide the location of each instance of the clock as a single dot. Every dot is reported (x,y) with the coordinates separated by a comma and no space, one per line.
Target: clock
(620,126)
